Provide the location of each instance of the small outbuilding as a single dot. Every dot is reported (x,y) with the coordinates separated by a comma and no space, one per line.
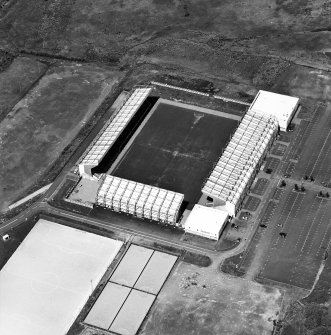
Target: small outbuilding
(206,221)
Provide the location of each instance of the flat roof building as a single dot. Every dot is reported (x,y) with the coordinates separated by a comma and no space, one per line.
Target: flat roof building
(282,107)
(206,221)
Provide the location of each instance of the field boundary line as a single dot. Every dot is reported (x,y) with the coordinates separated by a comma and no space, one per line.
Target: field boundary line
(29,197)
(200,93)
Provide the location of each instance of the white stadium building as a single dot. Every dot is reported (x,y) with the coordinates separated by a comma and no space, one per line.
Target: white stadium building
(227,184)
(205,221)
(233,174)
(110,132)
(144,201)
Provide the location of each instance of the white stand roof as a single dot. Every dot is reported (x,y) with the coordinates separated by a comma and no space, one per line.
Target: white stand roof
(149,202)
(112,130)
(280,106)
(234,169)
(206,221)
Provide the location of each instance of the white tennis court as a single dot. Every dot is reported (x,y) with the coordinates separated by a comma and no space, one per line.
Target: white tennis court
(125,301)
(131,266)
(133,312)
(49,278)
(155,272)
(108,305)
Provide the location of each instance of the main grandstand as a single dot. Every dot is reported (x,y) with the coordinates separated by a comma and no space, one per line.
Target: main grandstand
(233,174)
(228,182)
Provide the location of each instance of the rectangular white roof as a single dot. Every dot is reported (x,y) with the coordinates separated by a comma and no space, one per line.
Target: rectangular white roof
(47,281)
(279,105)
(207,220)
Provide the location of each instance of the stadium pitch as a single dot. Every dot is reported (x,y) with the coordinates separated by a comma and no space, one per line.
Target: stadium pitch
(176,147)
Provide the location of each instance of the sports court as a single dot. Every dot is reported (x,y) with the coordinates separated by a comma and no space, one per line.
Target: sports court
(176,148)
(128,296)
(49,278)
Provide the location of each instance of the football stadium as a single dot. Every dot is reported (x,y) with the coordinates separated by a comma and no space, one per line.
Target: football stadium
(167,161)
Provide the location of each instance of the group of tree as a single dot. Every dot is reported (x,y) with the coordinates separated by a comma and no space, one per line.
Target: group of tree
(311,178)
(324,195)
(282,183)
(299,188)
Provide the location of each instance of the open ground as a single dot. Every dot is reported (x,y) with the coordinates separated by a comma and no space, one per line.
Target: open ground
(202,301)
(176,149)
(43,124)
(16,80)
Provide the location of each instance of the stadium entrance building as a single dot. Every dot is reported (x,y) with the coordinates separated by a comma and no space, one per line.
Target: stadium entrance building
(282,107)
(206,221)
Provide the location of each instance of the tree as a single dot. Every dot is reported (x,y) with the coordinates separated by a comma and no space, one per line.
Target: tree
(268,171)
(302,189)
(296,187)
(320,193)
(327,195)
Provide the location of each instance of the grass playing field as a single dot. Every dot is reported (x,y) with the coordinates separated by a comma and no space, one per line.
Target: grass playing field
(176,149)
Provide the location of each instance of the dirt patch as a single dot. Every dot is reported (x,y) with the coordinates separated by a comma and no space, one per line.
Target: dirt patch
(311,315)
(37,130)
(196,259)
(305,82)
(201,301)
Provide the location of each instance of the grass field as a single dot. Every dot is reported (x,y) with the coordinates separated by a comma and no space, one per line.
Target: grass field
(176,150)
(40,126)
(16,80)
